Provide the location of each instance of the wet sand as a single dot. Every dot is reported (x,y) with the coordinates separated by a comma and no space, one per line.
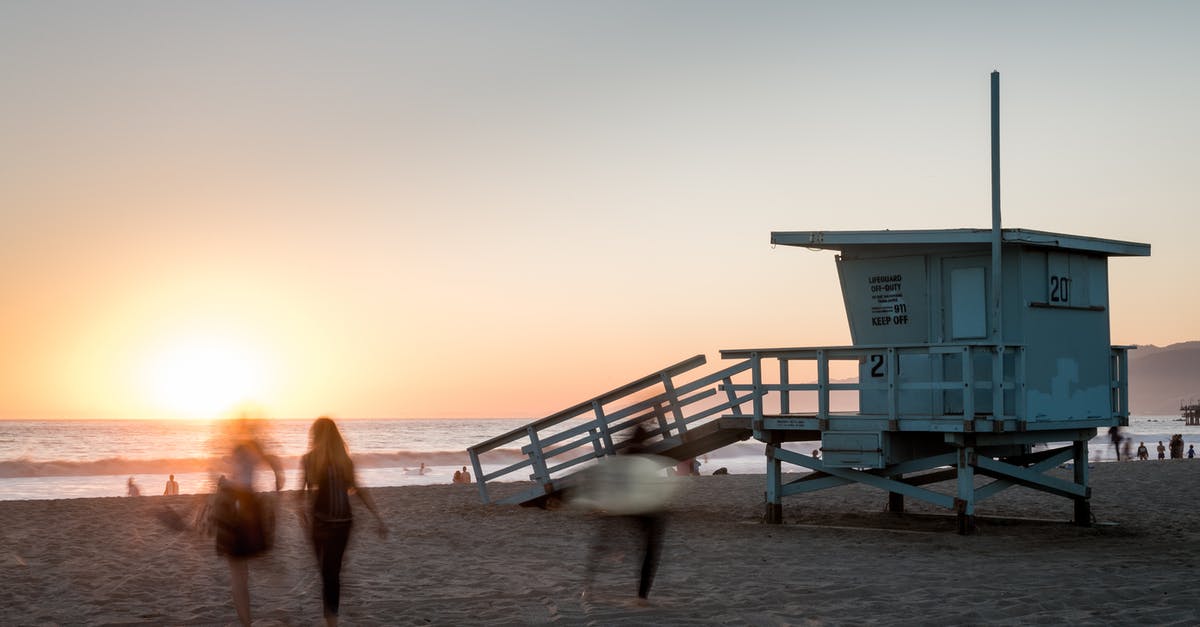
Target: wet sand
(838,559)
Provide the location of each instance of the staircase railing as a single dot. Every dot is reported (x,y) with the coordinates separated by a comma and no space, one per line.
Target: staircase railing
(562,441)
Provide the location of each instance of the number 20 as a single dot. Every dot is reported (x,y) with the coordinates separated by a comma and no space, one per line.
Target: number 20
(1060,289)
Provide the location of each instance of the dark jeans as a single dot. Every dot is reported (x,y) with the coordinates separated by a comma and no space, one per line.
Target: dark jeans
(329,540)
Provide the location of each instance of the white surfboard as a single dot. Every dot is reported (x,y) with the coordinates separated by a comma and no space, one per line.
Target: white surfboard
(626,485)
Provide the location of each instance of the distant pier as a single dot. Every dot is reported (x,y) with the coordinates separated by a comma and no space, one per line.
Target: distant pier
(1190,412)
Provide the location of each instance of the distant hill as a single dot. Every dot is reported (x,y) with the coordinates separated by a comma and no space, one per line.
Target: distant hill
(1161,377)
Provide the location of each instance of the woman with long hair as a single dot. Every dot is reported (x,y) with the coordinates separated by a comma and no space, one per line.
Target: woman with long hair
(327,484)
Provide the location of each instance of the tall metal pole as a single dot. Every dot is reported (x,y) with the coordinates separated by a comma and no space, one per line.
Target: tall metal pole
(997,284)
(997,241)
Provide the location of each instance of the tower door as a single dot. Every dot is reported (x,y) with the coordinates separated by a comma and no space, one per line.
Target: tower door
(965,312)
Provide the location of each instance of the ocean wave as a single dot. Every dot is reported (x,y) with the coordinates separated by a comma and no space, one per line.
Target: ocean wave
(25,467)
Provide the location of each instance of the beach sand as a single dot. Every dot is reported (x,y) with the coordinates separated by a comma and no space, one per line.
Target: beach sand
(837,560)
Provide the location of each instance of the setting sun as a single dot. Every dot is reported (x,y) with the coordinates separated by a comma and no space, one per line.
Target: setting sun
(203,377)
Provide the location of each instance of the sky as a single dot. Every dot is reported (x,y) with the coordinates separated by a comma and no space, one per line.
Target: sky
(499,209)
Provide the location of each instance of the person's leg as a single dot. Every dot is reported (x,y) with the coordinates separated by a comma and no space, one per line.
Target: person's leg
(652,532)
(330,541)
(239,577)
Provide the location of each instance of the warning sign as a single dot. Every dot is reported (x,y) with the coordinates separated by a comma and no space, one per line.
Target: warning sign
(887,300)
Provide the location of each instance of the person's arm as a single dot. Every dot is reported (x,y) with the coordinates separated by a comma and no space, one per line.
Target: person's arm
(273,462)
(365,496)
(302,497)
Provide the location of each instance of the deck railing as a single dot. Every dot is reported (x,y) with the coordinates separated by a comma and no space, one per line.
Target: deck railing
(562,441)
(949,387)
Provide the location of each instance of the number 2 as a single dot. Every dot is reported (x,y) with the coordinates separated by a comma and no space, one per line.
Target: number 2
(877,365)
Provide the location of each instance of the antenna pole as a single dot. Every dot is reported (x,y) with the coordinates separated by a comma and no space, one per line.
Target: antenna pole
(997,235)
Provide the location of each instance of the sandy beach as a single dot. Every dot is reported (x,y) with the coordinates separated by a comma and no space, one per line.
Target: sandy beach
(837,560)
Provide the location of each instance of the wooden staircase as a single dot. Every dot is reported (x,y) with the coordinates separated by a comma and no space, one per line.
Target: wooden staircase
(686,418)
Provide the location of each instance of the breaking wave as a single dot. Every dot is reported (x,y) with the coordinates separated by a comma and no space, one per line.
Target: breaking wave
(25,467)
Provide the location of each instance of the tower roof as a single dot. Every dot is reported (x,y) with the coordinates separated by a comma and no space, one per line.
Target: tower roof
(841,240)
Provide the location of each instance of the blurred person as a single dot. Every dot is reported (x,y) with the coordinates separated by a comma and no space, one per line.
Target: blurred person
(466,475)
(1114,435)
(1191,454)
(172,488)
(131,488)
(328,482)
(244,521)
(1162,450)
(1142,453)
(631,494)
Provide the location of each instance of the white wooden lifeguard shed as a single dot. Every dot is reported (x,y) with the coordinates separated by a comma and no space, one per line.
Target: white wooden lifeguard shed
(952,373)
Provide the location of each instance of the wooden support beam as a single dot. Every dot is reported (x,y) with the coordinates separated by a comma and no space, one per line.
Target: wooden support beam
(1029,478)
(1047,460)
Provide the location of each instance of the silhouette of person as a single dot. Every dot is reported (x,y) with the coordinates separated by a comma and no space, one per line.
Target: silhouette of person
(327,484)
(466,475)
(1191,454)
(1114,434)
(245,522)
(457,477)
(1162,450)
(131,488)
(648,522)
(172,487)
(1142,453)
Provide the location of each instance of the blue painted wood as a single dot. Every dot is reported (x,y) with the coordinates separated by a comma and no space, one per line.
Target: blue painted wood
(553,450)
(1050,463)
(1030,478)
(870,479)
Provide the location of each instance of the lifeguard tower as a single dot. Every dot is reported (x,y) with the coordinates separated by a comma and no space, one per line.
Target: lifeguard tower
(964,364)
(975,352)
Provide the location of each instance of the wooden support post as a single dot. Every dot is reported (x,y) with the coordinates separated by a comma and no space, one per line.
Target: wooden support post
(895,499)
(965,502)
(1083,507)
(774,495)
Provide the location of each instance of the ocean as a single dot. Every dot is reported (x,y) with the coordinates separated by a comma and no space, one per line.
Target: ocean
(95,458)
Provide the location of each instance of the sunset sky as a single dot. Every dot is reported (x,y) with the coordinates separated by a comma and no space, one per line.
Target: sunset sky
(476,209)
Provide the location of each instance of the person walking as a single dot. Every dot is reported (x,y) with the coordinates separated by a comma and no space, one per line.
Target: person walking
(244,520)
(328,481)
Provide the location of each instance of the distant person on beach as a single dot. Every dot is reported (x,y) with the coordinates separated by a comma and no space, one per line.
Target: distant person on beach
(1142,453)
(172,488)
(1162,450)
(1191,454)
(131,488)
(1176,446)
(466,475)
(244,520)
(327,484)
(1114,435)
(457,477)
